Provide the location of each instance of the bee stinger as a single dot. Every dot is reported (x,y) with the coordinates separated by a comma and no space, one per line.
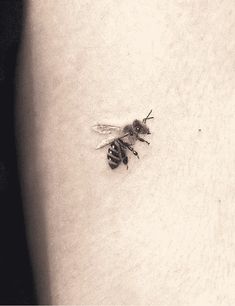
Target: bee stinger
(122,138)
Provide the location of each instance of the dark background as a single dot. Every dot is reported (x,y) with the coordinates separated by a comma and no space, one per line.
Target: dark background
(16,278)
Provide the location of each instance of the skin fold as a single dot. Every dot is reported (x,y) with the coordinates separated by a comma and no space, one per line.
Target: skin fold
(161,232)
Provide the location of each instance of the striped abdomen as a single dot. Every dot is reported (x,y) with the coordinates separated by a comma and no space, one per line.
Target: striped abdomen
(116,154)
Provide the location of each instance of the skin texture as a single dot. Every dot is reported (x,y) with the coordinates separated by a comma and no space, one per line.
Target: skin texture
(161,233)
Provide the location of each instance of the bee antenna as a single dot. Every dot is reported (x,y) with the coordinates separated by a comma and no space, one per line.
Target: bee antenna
(147,118)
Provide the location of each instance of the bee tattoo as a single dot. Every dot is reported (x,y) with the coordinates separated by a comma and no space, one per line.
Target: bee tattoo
(122,139)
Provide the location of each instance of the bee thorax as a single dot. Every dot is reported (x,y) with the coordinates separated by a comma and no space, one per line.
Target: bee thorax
(128,128)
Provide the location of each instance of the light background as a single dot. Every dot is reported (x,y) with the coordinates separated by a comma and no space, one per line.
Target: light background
(163,232)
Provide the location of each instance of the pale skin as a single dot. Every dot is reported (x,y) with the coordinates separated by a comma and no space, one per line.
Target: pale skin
(162,232)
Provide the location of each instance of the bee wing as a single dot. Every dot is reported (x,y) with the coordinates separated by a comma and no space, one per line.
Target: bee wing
(105,142)
(113,131)
(106,129)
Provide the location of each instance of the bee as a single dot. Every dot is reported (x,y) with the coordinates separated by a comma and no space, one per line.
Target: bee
(123,140)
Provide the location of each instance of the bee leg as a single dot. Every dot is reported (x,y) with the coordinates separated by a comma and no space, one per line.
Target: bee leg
(136,154)
(143,140)
(133,151)
(125,162)
(129,147)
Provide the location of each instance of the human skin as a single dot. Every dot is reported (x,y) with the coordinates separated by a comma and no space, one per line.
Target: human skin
(162,232)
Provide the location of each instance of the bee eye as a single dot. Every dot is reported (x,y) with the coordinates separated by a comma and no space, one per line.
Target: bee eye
(137,128)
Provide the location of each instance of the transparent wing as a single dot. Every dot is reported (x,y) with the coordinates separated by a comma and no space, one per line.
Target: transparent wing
(106,129)
(113,131)
(105,142)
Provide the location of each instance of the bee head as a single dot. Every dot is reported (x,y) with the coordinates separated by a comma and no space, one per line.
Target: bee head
(140,127)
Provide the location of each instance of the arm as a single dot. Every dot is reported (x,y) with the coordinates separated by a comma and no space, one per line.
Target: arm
(157,234)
